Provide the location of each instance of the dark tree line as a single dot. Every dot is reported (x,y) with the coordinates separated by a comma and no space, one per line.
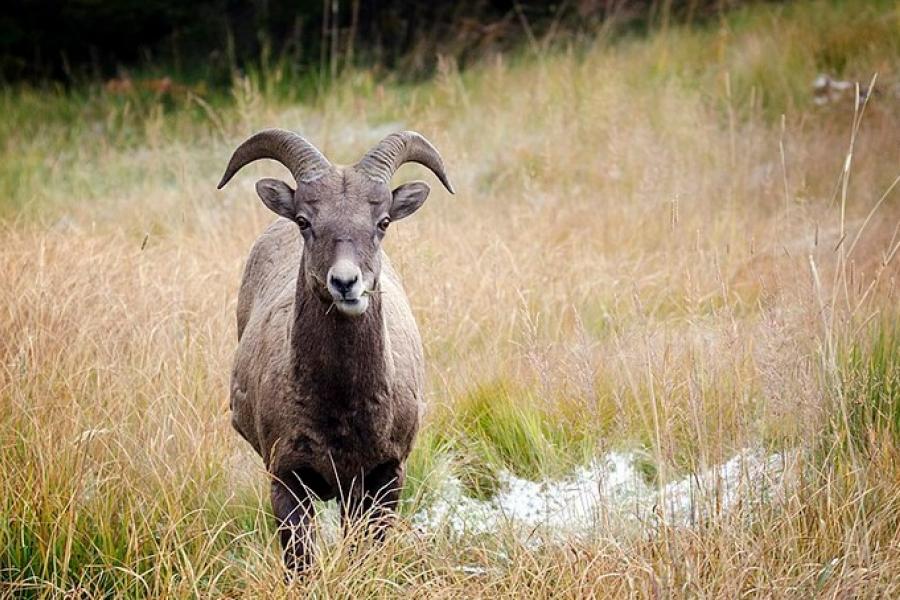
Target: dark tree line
(69,40)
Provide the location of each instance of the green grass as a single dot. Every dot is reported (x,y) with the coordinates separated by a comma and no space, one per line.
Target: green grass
(870,388)
(499,427)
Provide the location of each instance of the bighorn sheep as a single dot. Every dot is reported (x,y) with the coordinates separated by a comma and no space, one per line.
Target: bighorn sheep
(328,376)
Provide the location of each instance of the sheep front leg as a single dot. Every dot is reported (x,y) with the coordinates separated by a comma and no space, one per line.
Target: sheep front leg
(375,499)
(294,512)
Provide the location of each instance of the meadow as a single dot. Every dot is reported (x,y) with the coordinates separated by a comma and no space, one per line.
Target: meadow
(660,246)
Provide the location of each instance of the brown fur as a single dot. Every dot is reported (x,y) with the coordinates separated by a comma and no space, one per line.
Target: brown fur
(321,391)
(331,399)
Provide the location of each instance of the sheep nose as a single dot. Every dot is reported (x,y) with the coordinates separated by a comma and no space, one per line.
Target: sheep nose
(343,286)
(343,278)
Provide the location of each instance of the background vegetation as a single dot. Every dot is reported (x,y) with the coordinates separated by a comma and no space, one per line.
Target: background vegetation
(208,40)
(660,242)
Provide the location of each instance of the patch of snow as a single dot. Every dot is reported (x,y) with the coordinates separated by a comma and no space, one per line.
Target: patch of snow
(609,493)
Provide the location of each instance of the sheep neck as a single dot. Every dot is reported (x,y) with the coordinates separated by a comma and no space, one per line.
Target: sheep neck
(337,359)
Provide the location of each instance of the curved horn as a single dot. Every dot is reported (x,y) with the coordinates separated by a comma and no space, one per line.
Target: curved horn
(394,150)
(304,161)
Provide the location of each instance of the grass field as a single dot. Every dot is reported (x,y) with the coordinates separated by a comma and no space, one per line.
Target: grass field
(659,245)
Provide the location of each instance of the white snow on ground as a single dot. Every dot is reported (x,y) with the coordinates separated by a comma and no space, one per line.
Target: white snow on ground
(609,493)
(608,496)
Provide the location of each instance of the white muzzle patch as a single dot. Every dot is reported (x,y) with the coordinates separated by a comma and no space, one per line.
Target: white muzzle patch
(347,288)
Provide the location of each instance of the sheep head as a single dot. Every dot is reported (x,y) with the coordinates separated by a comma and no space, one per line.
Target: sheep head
(343,213)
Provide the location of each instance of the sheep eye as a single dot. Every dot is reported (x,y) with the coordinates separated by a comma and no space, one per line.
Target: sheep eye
(383,224)
(303,223)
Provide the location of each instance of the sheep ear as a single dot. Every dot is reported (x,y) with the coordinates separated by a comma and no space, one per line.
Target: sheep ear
(278,196)
(407,199)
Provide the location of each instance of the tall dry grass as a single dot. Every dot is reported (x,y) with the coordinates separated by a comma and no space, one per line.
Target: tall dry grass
(642,254)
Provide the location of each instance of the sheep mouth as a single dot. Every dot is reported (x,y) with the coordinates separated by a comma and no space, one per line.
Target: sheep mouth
(351,307)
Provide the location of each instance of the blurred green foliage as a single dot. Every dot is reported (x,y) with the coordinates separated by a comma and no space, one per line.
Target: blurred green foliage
(208,40)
